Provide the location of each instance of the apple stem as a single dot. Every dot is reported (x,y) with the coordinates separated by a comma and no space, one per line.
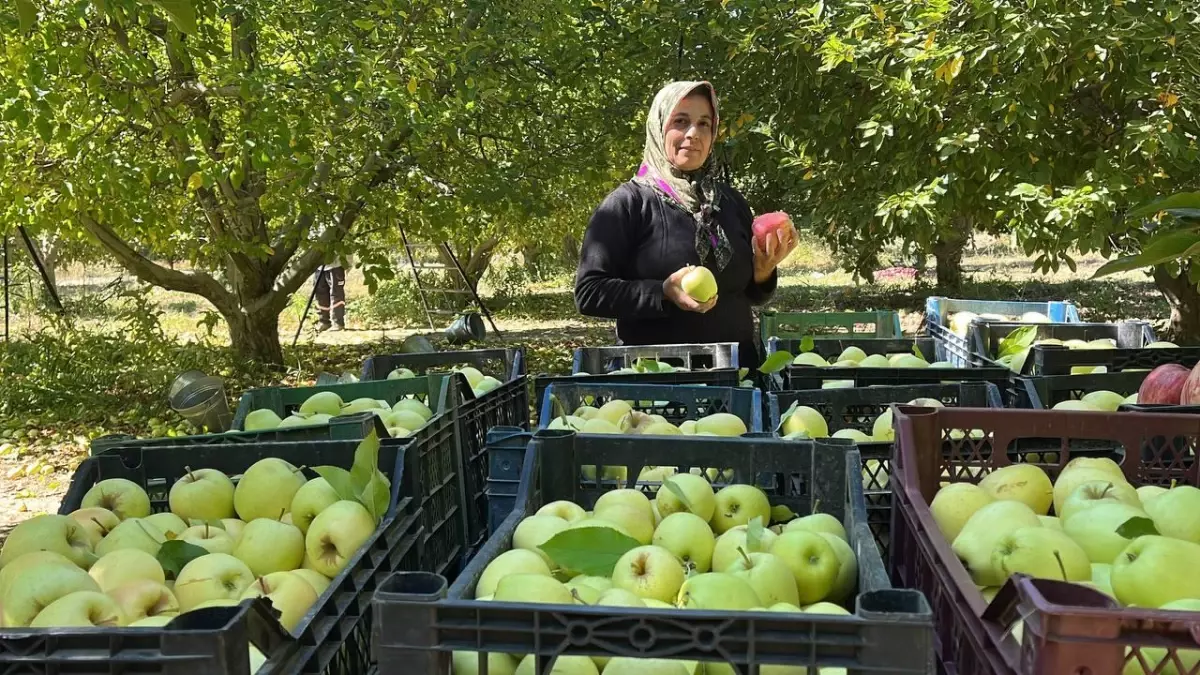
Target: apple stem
(749,562)
(1106,489)
(188,469)
(816,507)
(262,583)
(206,536)
(575,594)
(282,513)
(1061,567)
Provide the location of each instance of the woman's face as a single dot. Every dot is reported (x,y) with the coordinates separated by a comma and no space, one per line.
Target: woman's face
(689,134)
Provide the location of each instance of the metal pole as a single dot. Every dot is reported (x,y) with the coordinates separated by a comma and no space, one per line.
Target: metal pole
(307,307)
(471,286)
(37,261)
(416,276)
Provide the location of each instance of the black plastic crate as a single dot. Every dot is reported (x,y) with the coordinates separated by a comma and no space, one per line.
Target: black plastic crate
(857,409)
(421,619)
(601,360)
(1055,360)
(724,377)
(1042,392)
(957,348)
(796,378)
(424,529)
(344,427)
(985,339)
(675,403)
(503,364)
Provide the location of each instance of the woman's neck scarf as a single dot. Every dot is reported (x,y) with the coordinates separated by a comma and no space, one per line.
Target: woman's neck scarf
(694,192)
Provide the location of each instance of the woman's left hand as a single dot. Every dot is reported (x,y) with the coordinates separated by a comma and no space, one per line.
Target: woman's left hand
(771,250)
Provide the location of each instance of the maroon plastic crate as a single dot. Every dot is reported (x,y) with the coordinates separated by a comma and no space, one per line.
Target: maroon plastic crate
(1067,628)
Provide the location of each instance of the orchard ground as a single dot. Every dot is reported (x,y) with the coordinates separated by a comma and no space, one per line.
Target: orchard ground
(107,368)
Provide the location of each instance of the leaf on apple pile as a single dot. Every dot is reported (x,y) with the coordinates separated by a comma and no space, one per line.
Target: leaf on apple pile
(174,554)
(776,362)
(786,414)
(1137,526)
(754,532)
(363,483)
(339,479)
(807,344)
(917,351)
(646,365)
(590,550)
(780,513)
(679,494)
(1018,341)
(742,373)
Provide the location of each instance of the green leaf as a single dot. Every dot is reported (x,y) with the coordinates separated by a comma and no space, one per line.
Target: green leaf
(366,463)
(754,532)
(1123,264)
(1168,247)
(1018,340)
(807,344)
(780,513)
(27,14)
(646,365)
(339,479)
(742,373)
(678,492)
(1137,527)
(589,550)
(917,351)
(788,413)
(776,362)
(174,554)
(181,13)
(1183,200)
(376,496)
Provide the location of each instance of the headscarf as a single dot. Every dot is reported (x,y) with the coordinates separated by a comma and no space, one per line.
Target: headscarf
(695,192)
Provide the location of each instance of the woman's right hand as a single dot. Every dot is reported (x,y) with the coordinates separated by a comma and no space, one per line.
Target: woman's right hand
(673,291)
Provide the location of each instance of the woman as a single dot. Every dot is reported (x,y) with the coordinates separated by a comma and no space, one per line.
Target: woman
(672,215)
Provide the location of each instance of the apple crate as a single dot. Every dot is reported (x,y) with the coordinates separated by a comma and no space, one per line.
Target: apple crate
(675,403)
(858,409)
(423,529)
(1056,360)
(957,349)
(825,325)
(1067,628)
(506,405)
(421,618)
(1129,335)
(600,360)
(795,378)
(1042,392)
(441,392)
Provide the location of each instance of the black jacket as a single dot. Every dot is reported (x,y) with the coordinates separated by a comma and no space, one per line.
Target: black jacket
(635,240)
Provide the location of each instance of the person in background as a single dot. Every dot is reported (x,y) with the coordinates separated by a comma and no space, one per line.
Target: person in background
(331,293)
(674,214)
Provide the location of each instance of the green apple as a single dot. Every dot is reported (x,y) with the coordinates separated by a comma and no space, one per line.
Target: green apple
(699,283)
(210,538)
(882,429)
(804,419)
(536,530)
(318,581)
(34,588)
(599,583)
(1025,483)
(288,592)
(488,383)
(1041,552)
(1102,579)
(1175,513)
(52,532)
(96,522)
(847,578)
(1052,522)
(204,494)
(875,361)
(140,599)
(909,361)
(537,588)
(123,497)
(637,523)
(567,510)
(313,497)
(599,425)
(472,374)
(1095,492)
(689,538)
(585,595)
(768,575)
(20,564)
(717,590)
(467,663)
(852,434)
(627,497)
(619,597)
(80,609)
(738,505)
(401,374)
(297,420)
(268,546)
(215,576)
(1095,529)
(168,523)
(625,665)
(721,424)
(649,572)
(233,526)
(1107,401)
(818,522)
(515,561)
(813,563)
(262,419)
(361,405)
(1147,573)
(854,354)
(661,429)
(406,419)
(266,489)
(564,664)
(984,531)
(954,505)
(132,533)
(1148,492)
(567,422)
(322,402)
(414,406)
(810,359)
(125,566)
(826,608)
(336,535)
(697,491)
(725,552)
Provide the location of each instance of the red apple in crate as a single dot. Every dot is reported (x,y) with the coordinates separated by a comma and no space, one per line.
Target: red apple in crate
(1190,394)
(769,222)
(1164,384)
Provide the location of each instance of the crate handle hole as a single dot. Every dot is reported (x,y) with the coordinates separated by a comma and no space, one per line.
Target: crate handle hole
(706,638)
(579,633)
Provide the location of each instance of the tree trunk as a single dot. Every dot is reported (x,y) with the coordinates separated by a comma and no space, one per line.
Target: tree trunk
(948,250)
(255,336)
(1184,299)
(570,250)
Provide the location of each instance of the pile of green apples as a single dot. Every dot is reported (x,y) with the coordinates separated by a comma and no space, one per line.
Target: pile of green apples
(1089,527)
(960,322)
(401,419)
(687,548)
(480,383)
(1016,361)
(1101,400)
(272,534)
(854,357)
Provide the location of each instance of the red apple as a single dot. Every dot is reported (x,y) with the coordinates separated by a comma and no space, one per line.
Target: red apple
(1190,394)
(1164,384)
(768,223)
